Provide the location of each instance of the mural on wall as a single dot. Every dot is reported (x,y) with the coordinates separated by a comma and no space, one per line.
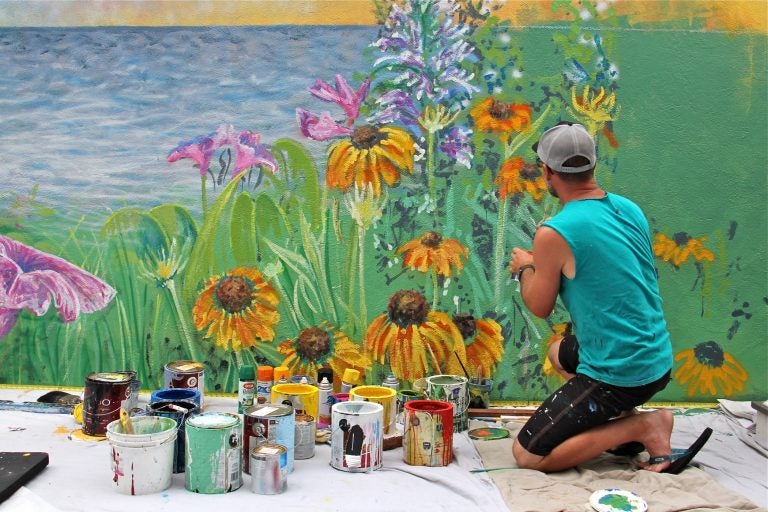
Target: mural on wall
(348,196)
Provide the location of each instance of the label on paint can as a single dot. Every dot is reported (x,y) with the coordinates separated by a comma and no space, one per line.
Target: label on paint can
(269,468)
(305,437)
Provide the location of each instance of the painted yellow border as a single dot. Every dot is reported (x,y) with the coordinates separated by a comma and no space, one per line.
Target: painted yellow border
(708,15)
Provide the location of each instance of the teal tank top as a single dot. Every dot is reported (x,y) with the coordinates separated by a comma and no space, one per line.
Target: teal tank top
(613,299)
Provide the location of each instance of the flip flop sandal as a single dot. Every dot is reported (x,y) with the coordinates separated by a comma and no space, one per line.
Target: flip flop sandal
(627,449)
(680,458)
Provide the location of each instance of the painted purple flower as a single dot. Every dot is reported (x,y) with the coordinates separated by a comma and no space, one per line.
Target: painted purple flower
(456,145)
(248,152)
(322,127)
(342,95)
(30,278)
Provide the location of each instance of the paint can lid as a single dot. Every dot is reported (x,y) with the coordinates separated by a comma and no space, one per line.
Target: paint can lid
(266,450)
(109,377)
(325,372)
(185,366)
(213,420)
(617,500)
(265,373)
(351,376)
(488,433)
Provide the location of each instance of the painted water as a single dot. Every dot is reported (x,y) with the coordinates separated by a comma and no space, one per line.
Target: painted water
(91,114)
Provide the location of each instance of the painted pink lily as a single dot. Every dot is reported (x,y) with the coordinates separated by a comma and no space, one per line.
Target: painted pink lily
(248,151)
(322,127)
(342,95)
(31,279)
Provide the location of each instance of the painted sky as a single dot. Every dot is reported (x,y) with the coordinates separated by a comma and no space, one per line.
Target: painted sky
(733,15)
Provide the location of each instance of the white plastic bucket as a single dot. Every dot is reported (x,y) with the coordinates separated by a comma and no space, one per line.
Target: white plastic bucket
(142,463)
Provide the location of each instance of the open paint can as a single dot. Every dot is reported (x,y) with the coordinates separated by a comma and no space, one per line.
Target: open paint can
(185,374)
(176,395)
(268,423)
(357,438)
(306,427)
(178,411)
(142,461)
(453,389)
(385,396)
(304,398)
(428,433)
(213,453)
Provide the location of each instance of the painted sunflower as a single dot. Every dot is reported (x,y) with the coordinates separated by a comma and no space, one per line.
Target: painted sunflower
(708,369)
(680,248)
(559,331)
(238,308)
(594,107)
(409,334)
(484,343)
(371,155)
(494,116)
(517,177)
(431,252)
(323,346)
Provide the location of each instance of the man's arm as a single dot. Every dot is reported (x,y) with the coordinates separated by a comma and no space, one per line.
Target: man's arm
(539,286)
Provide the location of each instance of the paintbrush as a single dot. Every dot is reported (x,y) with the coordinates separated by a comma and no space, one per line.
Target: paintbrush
(434,359)
(462,365)
(125,421)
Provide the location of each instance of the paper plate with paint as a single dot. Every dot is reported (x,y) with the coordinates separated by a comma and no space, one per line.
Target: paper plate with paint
(488,433)
(617,500)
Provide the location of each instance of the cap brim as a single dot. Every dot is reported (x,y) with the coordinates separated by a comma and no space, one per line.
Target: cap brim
(535,147)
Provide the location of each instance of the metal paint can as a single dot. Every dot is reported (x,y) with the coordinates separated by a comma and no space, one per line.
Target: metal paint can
(383,395)
(104,395)
(269,463)
(185,374)
(176,395)
(428,433)
(403,396)
(304,398)
(213,453)
(453,389)
(133,400)
(357,438)
(306,427)
(179,411)
(268,423)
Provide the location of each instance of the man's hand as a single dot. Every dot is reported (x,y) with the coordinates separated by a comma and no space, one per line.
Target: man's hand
(519,258)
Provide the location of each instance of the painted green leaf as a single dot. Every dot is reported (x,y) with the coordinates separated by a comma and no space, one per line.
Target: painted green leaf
(242,230)
(303,192)
(176,222)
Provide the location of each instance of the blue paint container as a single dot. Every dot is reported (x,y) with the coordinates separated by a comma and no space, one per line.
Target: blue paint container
(179,411)
(177,395)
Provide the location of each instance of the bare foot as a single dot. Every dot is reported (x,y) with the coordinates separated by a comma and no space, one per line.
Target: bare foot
(657,438)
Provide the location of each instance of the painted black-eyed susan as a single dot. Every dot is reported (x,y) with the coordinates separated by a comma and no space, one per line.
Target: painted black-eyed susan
(594,107)
(372,155)
(707,369)
(495,116)
(484,343)
(432,252)
(323,346)
(415,340)
(237,309)
(516,177)
(680,247)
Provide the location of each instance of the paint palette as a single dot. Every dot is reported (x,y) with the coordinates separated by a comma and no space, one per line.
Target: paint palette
(488,433)
(617,500)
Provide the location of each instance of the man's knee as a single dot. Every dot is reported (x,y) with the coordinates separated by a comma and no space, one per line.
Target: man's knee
(523,457)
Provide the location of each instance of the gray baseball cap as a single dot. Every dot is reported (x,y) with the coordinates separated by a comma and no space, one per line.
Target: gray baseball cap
(564,141)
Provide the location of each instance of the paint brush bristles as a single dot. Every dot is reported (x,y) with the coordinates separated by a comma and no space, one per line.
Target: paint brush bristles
(462,364)
(434,360)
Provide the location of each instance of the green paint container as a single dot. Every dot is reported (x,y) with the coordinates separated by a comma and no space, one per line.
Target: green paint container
(213,453)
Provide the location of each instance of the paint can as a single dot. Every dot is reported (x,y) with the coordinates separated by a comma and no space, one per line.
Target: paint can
(304,398)
(104,395)
(383,395)
(304,447)
(142,462)
(213,453)
(179,411)
(404,396)
(428,433)
(480,393)
(453,389)
(269,466)
(185,374)
(357,439)
(268,423)
(176,395)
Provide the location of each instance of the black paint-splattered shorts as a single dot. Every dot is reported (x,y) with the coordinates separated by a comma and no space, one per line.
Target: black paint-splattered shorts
(580,404)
